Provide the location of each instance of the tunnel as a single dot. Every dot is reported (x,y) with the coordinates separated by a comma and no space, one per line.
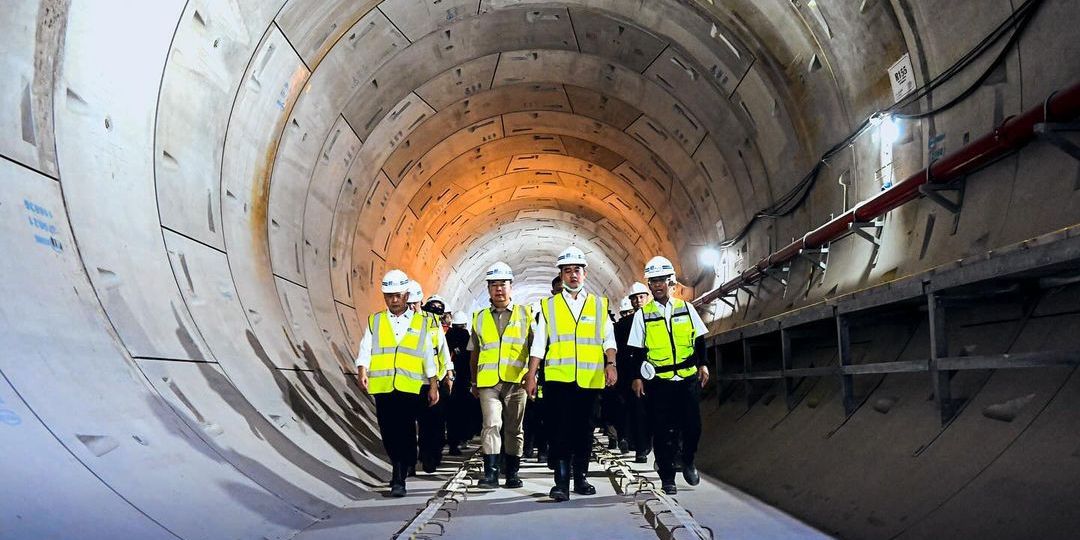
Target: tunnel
(873,204)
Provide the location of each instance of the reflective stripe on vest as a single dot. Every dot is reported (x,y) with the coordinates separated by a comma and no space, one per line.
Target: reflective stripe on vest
(501,358)
(394,365)
(435,330)
(666,347)
(575,351)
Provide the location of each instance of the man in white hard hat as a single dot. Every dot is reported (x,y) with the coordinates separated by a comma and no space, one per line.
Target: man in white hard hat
(613,405)
(432,421)
(463,412)
(628,411)
(396,361)
(536,414)
(639,295)
(673,372)
(436,306)
(574,338)
(499,358)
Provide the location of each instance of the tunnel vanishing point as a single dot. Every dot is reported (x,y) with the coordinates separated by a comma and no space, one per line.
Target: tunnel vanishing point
(874,205)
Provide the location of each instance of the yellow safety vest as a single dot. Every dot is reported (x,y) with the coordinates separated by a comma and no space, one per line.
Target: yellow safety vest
(506,357)
(575,351)
(397,366)
(436,333)
(666,347)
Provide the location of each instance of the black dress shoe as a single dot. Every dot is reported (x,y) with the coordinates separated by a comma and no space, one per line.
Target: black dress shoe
(624,446)
(641,458)
(429,465)
(559,493)
(583,487)
(397,491)
(690,474)
(670,489)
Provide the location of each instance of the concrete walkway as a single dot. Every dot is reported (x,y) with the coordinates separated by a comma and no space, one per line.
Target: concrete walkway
(527,513)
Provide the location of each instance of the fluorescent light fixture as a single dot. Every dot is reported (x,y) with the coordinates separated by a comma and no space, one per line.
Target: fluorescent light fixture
(888,130)
(709,257)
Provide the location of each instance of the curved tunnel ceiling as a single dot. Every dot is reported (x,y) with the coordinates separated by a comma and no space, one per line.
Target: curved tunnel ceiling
(459,128)
(223,183)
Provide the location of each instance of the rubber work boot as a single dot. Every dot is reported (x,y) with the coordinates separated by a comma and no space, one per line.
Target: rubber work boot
(624,446)
(641,458)
(429,464)
(581,482)
(513,463)
(397,480)
(689,472)
(561,490)
(667,477)
(491,472)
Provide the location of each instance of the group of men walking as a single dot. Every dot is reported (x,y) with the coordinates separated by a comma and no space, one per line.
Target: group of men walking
(564,348)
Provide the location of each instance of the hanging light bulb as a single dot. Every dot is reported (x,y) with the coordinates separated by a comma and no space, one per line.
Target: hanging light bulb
(888,130)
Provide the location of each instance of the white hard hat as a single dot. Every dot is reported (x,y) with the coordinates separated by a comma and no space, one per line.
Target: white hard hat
(436,298)
(639,288)
(395,281)
(571,255)
(416,294)
(624,304)
(499,271)
(659,267)
(460,317)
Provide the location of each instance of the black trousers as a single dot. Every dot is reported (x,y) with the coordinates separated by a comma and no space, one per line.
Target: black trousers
(460,415)
(569,420)
(397,413)
(674,411)
(612,411)
(634,423)
(432,421)
(534,424)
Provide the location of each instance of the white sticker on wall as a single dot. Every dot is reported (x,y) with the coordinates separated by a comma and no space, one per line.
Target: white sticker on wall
(902,78)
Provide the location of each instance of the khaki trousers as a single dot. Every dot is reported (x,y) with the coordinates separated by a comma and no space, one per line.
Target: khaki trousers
(503,406)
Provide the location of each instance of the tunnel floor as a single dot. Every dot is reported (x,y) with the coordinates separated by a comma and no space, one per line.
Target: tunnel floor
(528,513)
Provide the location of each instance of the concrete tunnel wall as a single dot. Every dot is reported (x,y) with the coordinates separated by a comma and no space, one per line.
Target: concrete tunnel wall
(199,197)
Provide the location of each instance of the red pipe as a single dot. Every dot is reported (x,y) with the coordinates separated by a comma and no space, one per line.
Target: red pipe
(1012,134)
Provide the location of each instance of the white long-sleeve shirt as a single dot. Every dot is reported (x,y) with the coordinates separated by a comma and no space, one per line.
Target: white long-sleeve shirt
(540,342)
(637,326)
(400,324)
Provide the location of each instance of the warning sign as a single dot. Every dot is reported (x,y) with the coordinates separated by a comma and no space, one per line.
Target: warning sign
(902,78)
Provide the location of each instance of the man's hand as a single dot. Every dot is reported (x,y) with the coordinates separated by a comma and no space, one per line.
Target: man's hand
(638,386)
(610,375)
(530,384)
(703,374)
(449,380)
(433,395)
(361,378)
(475,390)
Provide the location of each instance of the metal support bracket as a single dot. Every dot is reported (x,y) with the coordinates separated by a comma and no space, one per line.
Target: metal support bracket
(733,303)
(778,275)
(820,261)
(933,192)
(1052,133)
(860,228)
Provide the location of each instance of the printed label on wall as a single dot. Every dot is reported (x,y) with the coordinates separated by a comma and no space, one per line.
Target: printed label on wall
(902,78)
